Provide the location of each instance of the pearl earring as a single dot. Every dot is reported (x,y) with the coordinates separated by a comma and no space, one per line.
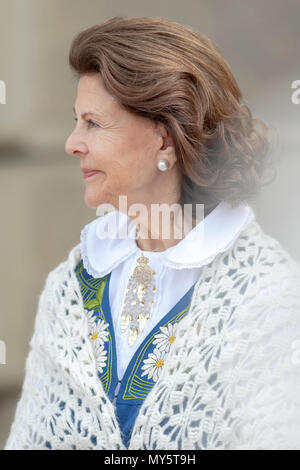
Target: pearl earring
(163,165)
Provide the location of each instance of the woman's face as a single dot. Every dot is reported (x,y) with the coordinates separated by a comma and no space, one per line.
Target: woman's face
(123,147)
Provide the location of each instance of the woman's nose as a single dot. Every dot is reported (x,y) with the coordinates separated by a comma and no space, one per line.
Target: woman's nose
(75,146)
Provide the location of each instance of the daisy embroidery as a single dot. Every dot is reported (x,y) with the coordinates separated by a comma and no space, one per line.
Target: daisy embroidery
(97,328)
(152,366)
(101,357)
(98,332)
(167,337)
(92,318)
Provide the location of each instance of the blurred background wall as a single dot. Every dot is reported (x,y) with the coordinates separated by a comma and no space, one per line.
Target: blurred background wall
(41,205)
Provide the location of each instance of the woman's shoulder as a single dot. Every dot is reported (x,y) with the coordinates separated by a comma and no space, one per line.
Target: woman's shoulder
(265,281)
(256,274)
(261,252)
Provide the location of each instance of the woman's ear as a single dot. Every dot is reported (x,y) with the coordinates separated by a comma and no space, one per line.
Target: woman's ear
(167,149)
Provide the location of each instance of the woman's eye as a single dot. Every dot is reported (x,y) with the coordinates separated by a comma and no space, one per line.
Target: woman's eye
(89,123)
(92,124)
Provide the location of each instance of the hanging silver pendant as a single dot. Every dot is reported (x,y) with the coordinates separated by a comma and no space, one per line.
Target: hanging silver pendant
(138,300)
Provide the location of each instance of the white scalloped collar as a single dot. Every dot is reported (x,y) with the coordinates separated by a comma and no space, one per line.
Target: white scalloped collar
(220,229)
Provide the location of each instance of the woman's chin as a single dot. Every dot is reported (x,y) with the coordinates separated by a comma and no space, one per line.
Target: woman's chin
(94,200)
(91,200)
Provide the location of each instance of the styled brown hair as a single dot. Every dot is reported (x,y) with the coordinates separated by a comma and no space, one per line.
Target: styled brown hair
(173,74)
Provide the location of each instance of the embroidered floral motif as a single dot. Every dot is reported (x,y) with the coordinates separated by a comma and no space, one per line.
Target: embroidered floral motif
(101,357)
(152,366)
(97,328)
(98,333)
(167,337)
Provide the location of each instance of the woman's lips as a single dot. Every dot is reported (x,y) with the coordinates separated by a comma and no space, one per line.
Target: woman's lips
(89,173)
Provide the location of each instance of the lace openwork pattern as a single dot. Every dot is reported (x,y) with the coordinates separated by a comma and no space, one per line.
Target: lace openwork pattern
(230,381)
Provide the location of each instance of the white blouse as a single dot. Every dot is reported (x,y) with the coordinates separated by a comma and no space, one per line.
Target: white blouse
(180,265)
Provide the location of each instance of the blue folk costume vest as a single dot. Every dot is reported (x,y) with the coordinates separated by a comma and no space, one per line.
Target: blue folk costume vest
(129,393)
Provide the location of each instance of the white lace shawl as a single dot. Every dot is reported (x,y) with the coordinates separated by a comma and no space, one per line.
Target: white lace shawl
(231,381)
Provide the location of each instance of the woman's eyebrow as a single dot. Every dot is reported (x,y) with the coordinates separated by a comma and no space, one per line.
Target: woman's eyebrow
(84,115)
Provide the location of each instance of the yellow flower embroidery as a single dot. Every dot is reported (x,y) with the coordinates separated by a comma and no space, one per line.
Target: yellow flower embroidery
(165,337)
(153,365)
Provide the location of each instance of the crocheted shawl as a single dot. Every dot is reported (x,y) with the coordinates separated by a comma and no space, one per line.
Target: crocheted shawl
(231,380)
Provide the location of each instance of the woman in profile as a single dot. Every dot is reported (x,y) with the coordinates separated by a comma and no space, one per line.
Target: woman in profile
(147,341)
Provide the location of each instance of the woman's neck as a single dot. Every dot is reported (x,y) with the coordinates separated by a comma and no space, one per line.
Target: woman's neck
(161,238)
